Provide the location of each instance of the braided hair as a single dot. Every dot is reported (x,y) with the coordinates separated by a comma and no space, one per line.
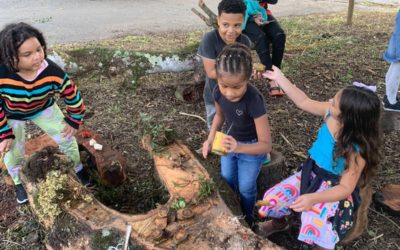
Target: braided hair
(235,59)
(12,37)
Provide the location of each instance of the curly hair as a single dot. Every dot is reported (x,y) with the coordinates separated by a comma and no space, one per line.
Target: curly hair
(12,37)
(235,59)
(360,118)
(231,7)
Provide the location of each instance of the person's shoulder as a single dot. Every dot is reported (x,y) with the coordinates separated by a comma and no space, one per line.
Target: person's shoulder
(209,45)
(216,93)
(245,40)
(54,69)
(255,101)
(3,70)
(210,36)
(254,92)
(253,96)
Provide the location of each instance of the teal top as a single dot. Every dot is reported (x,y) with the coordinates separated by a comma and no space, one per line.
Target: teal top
(253,7)
(323,152)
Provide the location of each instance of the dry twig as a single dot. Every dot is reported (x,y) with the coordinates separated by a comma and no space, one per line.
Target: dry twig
(197,116)
(394,223)
(376,237)
(286,140)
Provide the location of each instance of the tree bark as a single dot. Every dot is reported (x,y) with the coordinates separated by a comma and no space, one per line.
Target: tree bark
(350,12)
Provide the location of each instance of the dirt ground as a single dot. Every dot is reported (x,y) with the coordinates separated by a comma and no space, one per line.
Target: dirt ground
(322,55)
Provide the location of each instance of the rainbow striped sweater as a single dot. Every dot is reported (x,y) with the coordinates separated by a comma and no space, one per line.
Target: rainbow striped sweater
(25,100)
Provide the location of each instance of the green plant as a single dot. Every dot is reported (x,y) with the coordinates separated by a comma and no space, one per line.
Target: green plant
(179,203)
(207,187)
(161,135)
(51,192)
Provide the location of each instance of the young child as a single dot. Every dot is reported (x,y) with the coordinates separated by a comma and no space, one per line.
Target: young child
(230,20)
(242,108)
(391,101)
(28,84)
(264,31)
(345,152)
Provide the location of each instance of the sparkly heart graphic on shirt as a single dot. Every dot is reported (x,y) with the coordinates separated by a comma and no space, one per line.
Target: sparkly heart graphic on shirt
(239,112)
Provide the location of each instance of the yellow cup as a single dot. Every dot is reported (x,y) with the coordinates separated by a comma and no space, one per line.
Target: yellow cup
(217,147)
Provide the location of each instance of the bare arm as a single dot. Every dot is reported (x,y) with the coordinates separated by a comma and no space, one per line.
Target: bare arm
(339,192)
(209,68)
(348,182)
(297,95)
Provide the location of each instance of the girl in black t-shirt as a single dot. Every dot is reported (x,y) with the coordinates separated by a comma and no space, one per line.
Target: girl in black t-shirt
(242,108)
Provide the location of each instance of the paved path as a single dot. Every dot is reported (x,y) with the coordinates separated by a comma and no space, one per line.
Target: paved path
(83,20)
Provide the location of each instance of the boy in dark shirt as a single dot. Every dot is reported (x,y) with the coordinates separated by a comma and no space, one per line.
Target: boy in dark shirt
(230,20)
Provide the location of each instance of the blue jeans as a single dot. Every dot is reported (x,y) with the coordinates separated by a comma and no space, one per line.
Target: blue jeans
(209,101)
(240,171)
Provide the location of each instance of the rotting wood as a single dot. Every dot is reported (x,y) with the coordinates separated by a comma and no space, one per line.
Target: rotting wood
(110,164)
(210,216)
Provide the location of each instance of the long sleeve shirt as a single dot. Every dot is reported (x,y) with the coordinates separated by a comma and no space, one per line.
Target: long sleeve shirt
(24,100)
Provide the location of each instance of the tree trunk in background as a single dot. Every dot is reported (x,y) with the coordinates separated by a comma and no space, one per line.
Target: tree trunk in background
(350,12)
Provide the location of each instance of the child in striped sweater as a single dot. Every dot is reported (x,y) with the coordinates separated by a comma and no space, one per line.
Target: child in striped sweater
(28,85)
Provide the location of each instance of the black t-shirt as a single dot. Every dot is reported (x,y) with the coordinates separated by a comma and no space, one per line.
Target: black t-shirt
(239,116)
(212,44)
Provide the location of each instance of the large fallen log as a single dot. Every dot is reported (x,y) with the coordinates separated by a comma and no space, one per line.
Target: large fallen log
(203,221)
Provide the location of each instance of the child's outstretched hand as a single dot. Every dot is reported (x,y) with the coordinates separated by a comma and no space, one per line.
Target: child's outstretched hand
(68,131)
(258,20)
(230,143)
(275,74)
(302,203)
(5,145)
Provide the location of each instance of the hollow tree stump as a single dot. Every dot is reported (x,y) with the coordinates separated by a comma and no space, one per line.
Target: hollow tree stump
(390,121)
(110,164)
(204,223)
(189,92)
(388,199)
(271,174)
